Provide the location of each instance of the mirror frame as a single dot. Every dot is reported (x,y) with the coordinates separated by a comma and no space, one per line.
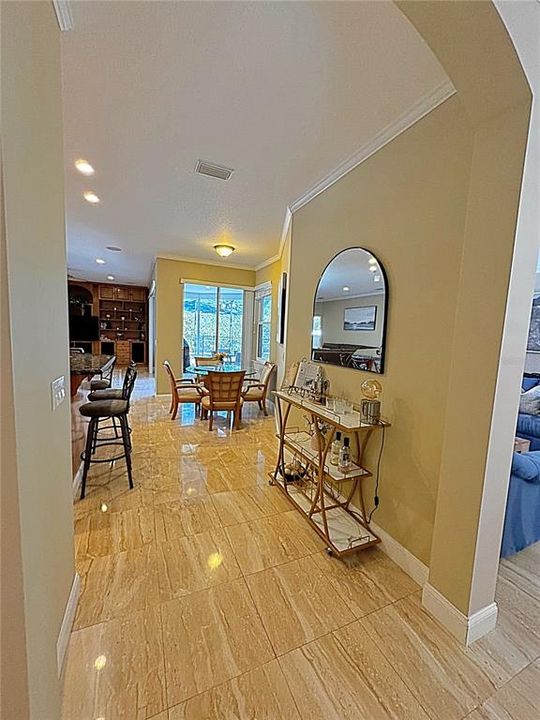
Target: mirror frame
(385,314)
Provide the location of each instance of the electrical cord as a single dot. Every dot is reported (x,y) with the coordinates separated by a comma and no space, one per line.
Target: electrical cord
(377,477)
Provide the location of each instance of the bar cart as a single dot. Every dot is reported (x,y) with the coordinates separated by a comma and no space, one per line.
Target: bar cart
(319,490)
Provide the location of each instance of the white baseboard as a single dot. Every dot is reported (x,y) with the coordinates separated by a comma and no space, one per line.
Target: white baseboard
(77,480)
(408,562)
(465,628)
(404,558)
(67,623)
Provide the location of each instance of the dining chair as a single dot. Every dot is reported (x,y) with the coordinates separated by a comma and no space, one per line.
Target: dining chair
(207,361)
(257,390)
(183,390)
(224,393)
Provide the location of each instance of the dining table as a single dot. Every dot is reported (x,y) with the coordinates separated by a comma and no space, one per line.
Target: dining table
(201,371)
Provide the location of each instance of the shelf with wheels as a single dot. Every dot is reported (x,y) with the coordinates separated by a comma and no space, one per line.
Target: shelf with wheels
(319,490)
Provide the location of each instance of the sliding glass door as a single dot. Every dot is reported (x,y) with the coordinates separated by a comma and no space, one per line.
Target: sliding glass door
(213,321)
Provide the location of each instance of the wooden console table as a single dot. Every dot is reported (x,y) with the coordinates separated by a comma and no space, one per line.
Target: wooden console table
(323,494)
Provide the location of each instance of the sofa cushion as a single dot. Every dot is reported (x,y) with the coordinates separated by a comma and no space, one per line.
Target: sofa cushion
(528,426)
(528,382)
(527,466)
(529,402)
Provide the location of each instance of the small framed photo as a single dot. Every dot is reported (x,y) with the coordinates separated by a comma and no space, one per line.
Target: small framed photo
(360,318)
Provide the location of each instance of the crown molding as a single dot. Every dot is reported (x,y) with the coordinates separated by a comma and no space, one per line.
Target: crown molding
(64,16)
(201,261)
(416,112)
(284,231)
(266,263)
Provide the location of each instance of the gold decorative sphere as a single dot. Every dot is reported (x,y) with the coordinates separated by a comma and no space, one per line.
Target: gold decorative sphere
(371,389)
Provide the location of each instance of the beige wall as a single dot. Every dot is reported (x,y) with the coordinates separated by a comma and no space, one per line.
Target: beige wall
(407,204)
(438,206)
(271,273)
(37,293)
(332,314)
(169,319)
(14,680)
(471,42)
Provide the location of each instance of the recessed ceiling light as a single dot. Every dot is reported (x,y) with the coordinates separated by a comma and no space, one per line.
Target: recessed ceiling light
(100,261)
(84,167)
(110,277)
(346,288)
(372,268)
(91,197)
(372,261)
(377,278)
(224,250)
(113,248)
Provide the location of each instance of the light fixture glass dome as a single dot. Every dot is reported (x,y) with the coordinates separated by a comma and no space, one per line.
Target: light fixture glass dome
(371,389)
(224,250)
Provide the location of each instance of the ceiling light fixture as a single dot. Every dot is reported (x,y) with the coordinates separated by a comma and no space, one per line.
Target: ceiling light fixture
(100,261)
(224,250)
(377,278)
(346,288)
(84,167)
(110,277)
(372,268)
(91,197)
(372,261)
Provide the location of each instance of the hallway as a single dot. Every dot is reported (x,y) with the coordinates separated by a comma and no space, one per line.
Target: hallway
(204,596)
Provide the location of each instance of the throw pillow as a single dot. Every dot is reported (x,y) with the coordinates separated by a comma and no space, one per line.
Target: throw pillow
(530,401)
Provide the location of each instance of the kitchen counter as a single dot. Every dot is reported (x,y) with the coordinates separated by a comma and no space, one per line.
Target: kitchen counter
(83,365)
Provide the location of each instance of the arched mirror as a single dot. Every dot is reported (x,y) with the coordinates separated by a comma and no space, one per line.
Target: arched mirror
(349,312)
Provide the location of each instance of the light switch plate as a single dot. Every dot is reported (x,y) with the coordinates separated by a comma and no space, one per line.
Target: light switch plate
(58,392)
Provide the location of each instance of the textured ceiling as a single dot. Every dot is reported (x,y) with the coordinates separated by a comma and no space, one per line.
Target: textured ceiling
(281,92)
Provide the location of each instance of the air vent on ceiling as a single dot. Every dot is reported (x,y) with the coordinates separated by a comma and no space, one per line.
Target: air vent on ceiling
(213,170)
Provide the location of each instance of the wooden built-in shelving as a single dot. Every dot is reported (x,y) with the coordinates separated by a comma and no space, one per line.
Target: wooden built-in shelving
(123,318)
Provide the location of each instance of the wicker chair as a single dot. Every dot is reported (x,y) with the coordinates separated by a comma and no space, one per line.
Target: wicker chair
(225,393)
(207,361)
(183,390)
(257,390)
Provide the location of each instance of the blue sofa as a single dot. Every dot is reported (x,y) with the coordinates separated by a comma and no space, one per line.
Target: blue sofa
(522,520)
(528,426)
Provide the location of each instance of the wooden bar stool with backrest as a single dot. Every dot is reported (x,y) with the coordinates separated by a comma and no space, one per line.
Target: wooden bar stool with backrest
(100,410)
(257,390)
(224,393)
(106,376)
(183,390)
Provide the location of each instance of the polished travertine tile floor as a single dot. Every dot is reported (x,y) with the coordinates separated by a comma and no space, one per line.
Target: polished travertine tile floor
(205,596)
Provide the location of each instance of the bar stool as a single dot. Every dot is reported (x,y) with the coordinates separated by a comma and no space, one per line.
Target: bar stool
(106,378)
(110,393)
(104,410)
(113,394)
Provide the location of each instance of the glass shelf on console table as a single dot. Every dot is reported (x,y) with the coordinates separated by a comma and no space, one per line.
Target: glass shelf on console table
(320,491)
